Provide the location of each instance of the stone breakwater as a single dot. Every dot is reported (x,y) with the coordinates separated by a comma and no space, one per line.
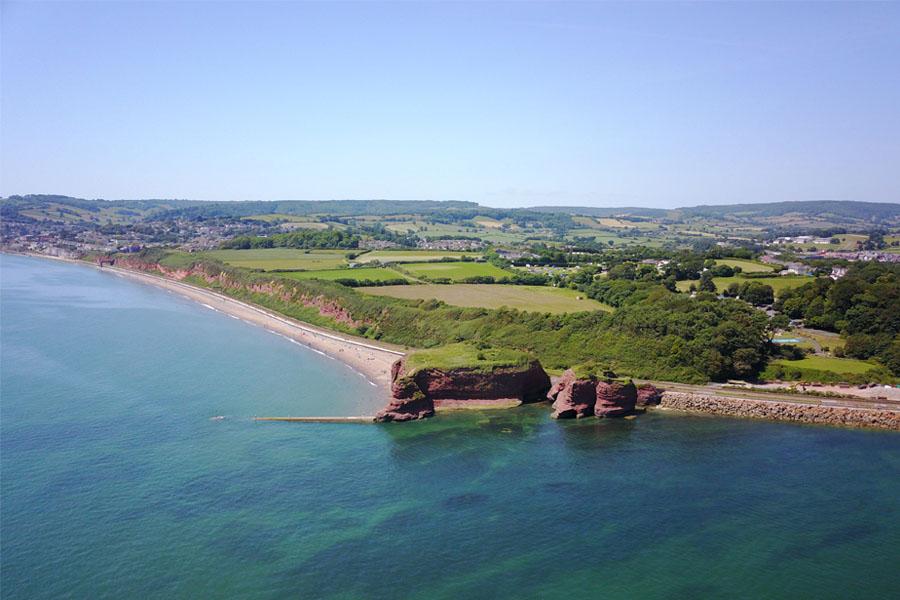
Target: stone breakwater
(782,411)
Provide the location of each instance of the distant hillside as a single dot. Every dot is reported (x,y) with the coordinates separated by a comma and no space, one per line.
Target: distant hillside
(844,209)
(771,216)
(52,207)
(319,207)
(595,211)
(39,200)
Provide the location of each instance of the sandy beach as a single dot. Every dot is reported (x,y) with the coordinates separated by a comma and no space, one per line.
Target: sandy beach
(371,360)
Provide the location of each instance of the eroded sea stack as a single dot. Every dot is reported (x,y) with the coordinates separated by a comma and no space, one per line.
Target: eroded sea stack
(457,376)
(583,395)
(648,395)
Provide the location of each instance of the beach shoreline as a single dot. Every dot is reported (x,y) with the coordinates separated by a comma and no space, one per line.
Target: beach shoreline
(372,361)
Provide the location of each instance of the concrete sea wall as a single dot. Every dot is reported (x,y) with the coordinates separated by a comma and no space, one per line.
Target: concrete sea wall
(782,411)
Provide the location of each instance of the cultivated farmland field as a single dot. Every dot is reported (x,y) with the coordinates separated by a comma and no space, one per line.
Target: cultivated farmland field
(523,297)
(268,259)
(455,271)
(747,266)
(370,273)
(489,231)
(403,256)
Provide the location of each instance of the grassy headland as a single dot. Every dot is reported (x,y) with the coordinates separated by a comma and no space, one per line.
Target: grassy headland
(468,356)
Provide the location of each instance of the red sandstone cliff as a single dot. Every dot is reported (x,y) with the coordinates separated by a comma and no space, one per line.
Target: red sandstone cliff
(278,288)
(414,394)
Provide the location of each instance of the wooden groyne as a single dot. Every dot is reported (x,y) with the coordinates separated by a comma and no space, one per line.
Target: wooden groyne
(318,419)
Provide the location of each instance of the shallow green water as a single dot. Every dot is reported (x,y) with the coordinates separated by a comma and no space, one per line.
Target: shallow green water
(116,483)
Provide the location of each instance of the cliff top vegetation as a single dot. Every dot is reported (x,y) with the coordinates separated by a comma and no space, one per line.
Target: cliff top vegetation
(465,356)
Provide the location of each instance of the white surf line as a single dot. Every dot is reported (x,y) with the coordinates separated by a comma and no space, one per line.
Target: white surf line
(308,347)
(297,324)
(128,273)
(124,273)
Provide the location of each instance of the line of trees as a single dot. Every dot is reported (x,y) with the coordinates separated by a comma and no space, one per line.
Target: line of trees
(305,238)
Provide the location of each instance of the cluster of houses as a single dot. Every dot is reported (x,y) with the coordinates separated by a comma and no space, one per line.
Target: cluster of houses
(72,240)
(799,239)
(515,254)
(862,255)
(659,264)
(461,245)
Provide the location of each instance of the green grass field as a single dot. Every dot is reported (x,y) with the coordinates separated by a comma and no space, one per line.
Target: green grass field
(604,237)
(455,271)
(455,356)
(404,256)
(747,266)
(281,258)
(828,363)
(522,297)
(370,273)
(778,283)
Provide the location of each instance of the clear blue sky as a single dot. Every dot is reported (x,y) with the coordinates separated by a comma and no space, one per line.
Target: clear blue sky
(511,104)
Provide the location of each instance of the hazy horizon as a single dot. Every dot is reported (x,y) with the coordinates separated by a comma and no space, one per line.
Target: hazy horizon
(508,105)
(611,206)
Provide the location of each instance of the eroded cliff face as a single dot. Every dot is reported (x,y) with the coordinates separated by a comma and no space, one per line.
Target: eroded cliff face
(574,398)
(280,289)
(413,395)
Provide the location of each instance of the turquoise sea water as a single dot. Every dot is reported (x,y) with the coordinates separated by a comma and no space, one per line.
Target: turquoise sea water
(114,482)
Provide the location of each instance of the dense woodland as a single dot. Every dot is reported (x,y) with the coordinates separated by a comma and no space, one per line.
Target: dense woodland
(304,239)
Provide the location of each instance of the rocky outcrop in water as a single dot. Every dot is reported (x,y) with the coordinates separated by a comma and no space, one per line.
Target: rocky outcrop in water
(573,398)
(615,399)
(648,395)
(576,397)
(414,395)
